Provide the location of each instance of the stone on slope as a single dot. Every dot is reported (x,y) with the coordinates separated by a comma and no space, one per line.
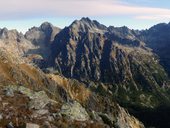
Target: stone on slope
(40,113)
(1,117)
(74,111)
(10,125)
(39,101)
(30,125)
(9,92)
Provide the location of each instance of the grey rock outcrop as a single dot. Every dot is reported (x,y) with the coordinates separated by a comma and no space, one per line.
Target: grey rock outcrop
(74,111)
(9,92)
(39,100)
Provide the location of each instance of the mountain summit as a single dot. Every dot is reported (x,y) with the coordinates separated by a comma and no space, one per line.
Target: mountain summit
(85,24)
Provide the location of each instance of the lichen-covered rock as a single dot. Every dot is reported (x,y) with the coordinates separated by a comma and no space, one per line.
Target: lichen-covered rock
(9,92)
(39,113)
(39,100)
(26,91)
(74,111)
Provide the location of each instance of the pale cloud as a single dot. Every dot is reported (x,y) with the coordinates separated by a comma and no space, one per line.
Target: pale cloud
(19,9)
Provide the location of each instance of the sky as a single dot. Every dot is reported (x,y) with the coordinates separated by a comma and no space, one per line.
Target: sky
(135,14)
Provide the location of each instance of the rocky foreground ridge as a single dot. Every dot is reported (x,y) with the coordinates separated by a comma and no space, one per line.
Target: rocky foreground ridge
(51,101)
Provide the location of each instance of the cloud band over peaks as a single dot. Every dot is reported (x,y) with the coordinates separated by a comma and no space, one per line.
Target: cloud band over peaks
(21,9)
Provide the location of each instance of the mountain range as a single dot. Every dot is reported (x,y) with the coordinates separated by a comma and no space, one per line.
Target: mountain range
(93,68)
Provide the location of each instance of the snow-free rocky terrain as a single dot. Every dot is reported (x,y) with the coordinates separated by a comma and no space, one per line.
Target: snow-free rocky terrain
(84,75)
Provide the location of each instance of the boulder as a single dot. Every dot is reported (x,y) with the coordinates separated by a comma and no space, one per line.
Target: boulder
(10,125)
(9,92)
(40,113)
(30,125)
(46,124)
(39,100)
(74,111)
(1,117)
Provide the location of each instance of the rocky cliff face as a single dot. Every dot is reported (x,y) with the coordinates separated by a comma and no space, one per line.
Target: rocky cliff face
(89,51)
(35,45)
(14,42)
(41,37)
(157,38)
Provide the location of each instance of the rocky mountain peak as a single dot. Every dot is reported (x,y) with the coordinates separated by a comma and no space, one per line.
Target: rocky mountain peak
(86,19)
(123,32)
(10,34)
(4,29)
(48,28)
(42,37)
(46,25)
(3,32)
(86,24)
(44,33)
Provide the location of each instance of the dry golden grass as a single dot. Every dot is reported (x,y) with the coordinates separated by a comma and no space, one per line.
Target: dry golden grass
(5,73)
(75,89)
(12,72)
(32,73)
